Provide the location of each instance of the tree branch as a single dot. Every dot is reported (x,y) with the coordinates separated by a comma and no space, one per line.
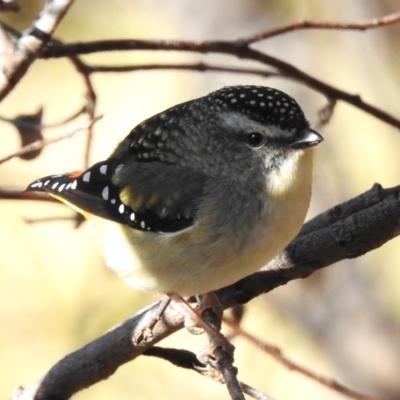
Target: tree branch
(237,48)
(26,49)
(363,224)
(359,26)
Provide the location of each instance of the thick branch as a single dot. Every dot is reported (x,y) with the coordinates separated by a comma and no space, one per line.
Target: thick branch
(374,219)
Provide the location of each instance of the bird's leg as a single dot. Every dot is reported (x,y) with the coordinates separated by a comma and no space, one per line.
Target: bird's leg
(209,321)
(146,334)
(209,307)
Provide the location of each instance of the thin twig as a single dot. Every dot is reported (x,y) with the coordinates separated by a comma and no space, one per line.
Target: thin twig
(31,125)
(224,361)
(237,49)
(200,66)
(326,113)
(359,26)
(39,144)
(256,394)
(91,102)
(18,195)
(277,354)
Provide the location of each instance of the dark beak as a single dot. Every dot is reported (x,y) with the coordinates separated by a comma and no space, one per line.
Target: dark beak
(307,138)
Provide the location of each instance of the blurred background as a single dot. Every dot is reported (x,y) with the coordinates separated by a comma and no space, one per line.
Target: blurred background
(55,292)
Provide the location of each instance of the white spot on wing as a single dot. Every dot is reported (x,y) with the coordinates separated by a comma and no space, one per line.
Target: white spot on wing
(103,169)
(60,189)
(142,224)
(74,184)
(105,193)
(55,185)
(86,176)
(121,209)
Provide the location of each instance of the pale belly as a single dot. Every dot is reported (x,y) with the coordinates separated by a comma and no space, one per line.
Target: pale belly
(173,263)
(188,263)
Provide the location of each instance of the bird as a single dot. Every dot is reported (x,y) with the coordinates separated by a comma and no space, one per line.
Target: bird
(200,195)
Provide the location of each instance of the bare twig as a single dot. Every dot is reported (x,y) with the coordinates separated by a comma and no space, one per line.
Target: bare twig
(325,114)
(359,26)
(91,101)
(29,45)
(256,394)
(39,144)
(277,354)
(187,359)
(200,66)
(18,195)
(225,364)
(237,49)
(31,125)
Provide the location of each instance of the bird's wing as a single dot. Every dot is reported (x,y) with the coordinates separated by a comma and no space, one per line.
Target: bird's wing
(150,196)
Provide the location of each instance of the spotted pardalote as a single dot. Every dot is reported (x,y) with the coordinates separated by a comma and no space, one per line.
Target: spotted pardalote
(202,194)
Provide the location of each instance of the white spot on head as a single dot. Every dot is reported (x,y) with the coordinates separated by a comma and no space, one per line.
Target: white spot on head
(121,209)
(105,193)
(74,184)
(60,189)
(55,185)
(103,169)
(86,176)
(132,216)
(142,224)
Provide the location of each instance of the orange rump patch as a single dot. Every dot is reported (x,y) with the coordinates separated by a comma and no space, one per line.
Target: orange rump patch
(76,174)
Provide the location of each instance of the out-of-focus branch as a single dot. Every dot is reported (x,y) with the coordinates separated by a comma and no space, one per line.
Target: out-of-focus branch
(362,225)
(200,67)
(276,353)
(39,144)
(236,48)
(24,51)
(347,26)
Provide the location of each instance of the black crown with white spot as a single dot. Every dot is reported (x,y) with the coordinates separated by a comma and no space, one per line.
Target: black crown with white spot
(263,104)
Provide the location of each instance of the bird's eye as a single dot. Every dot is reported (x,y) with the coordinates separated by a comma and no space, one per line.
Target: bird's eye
(255,139)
